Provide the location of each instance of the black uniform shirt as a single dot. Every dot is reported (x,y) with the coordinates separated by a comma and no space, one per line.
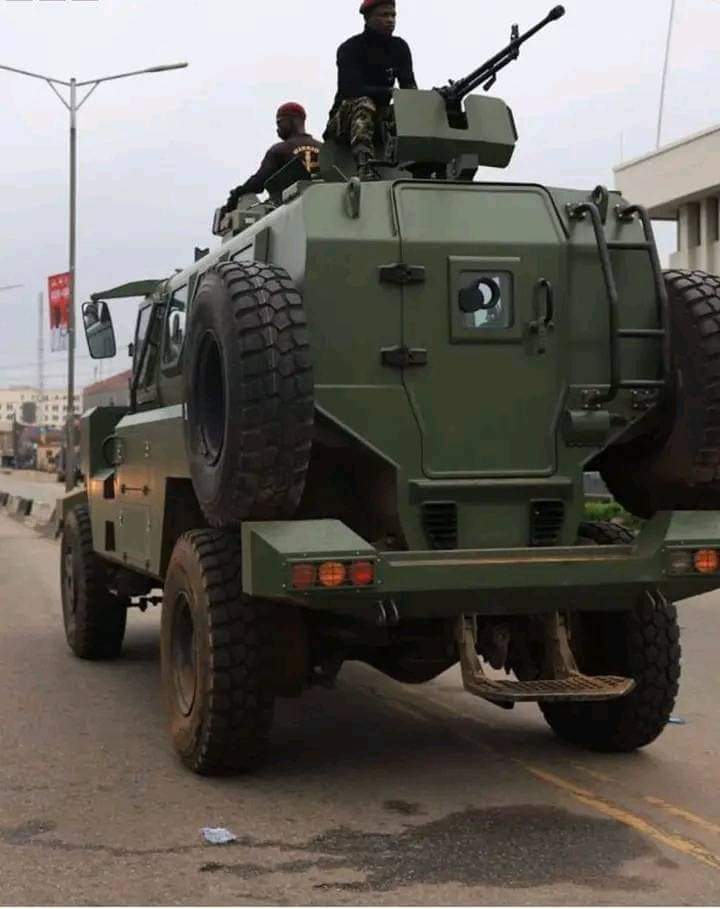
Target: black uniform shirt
(303,146)
(370,64)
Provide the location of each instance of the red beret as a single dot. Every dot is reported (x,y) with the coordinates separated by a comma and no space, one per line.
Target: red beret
(291,109)
(369,5)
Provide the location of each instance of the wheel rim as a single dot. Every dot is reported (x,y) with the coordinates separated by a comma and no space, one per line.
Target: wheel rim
(210,385)
(69,599)
(184,663)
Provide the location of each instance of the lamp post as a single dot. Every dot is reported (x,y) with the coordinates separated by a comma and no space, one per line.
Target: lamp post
(73,106)
(666,65)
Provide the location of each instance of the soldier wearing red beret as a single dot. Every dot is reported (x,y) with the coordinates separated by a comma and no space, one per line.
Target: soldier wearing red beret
(369,67)
(295,142)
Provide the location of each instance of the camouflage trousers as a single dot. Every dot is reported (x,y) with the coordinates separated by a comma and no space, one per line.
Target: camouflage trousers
(358,122)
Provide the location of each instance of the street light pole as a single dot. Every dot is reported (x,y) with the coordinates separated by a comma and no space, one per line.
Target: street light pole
(665,72)
(70,415)
(73,107)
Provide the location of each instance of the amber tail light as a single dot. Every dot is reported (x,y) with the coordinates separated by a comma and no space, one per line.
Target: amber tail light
(333,575)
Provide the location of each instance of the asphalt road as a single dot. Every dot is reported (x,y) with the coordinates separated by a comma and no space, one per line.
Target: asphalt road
(376,793)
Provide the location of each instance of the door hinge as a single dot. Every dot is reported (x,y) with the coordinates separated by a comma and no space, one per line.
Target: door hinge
(402,274)
(403,357)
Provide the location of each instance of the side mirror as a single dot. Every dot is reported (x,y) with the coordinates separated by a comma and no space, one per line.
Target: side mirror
(99,330)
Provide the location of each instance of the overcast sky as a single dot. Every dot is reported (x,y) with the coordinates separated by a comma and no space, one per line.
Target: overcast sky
(159,152)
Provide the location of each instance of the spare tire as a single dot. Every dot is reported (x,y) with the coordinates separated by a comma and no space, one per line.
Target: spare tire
(674,463)
(248,381)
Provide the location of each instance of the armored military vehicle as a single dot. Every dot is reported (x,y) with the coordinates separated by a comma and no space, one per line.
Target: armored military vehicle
(359,431)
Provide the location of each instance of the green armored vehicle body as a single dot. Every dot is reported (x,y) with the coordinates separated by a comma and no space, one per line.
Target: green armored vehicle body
(360,430)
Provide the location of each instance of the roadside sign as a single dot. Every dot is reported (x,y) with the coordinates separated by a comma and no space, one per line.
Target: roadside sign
(59,297)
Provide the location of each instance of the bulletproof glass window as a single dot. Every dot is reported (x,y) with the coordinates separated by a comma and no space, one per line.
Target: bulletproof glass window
(485,300)
(151,322)
(175,325)
(141,332)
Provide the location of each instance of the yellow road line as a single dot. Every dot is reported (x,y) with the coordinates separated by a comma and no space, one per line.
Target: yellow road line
(675,810)
(603,806)
(586,797)
(682,813)
(601,777)
(403,707)
(453,713)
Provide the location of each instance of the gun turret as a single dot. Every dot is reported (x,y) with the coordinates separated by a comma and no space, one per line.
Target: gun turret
(486,75)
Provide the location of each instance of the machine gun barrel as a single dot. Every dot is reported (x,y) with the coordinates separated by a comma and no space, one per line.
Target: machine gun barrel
(487,73)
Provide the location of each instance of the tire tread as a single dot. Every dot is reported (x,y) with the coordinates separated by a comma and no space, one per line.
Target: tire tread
(233,735)
(276,423)
(647,637)
(100,617)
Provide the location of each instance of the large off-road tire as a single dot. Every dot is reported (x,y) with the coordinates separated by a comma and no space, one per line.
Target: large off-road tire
(94,618)
(675,462)
(605,533)
(643,644)
(249,389)
(216,658)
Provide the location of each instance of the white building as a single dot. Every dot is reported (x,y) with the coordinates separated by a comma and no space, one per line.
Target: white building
(681,183)
(26,405)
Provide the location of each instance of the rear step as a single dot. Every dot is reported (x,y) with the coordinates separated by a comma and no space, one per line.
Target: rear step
(571,685)
(545,691)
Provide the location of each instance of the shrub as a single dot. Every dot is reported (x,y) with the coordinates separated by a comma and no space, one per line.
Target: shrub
(612,512)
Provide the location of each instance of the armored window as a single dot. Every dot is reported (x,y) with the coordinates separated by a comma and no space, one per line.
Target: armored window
(485,301)
(151,348)
(141,331)
(175,325)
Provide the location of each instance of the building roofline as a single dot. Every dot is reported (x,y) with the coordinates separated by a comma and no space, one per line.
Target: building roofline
(113,383)
(687,140)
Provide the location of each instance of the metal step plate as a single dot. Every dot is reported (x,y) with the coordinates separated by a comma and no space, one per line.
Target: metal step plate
(575,688)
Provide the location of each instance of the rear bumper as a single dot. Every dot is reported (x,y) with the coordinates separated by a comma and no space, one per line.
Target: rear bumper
(520,576)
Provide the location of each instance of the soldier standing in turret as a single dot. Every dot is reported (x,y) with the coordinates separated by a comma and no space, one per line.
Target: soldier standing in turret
(369,67)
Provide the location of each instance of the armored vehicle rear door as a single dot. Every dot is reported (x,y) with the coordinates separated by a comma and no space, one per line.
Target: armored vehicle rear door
(483,323)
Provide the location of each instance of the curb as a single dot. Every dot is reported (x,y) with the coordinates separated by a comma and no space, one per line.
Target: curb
(39,516)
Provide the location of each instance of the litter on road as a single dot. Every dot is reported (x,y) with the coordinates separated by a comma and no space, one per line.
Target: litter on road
(218,836)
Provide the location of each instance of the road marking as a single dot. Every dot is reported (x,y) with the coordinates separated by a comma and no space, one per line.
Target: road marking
(584,796)
(675,810)
(459,714)
(601,777)
(634,821)
(403,707)
(682,813)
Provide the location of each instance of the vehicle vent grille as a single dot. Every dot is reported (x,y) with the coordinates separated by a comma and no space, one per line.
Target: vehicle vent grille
(546,522)
(440,522)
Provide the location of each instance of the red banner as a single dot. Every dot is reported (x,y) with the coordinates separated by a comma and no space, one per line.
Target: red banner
(59,297)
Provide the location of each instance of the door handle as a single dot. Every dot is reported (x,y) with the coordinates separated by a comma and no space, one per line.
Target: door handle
(544,307)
